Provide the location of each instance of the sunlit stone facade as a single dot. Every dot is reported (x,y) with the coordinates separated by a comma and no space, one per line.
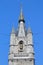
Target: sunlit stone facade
(21,50)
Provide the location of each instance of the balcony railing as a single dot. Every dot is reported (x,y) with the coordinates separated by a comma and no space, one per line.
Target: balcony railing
(21,55)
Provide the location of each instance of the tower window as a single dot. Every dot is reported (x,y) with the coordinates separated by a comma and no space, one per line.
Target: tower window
(21,46)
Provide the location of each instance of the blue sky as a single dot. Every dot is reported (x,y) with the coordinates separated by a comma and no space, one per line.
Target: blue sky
(9,16)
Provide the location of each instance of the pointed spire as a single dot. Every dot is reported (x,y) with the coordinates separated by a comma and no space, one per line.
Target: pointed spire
(29,30)
(13,30)
(21,18)
(21,15)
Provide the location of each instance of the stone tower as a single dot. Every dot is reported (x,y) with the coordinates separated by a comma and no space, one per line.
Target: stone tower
(21,45)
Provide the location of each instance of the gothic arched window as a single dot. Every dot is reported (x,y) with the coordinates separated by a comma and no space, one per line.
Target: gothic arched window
(21,45)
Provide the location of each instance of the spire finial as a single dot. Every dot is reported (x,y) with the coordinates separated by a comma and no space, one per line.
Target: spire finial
(21,8)
(21,17)
(21,13)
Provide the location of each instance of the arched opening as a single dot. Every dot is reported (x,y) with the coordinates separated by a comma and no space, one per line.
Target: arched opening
(21,46)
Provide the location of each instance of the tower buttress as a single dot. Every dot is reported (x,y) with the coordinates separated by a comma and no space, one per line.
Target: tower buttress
(12,40)
(30,48)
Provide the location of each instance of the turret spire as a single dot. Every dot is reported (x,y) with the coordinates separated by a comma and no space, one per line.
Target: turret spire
(13,30)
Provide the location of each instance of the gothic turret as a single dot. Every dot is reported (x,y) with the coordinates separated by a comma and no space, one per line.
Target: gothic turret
(12,40)
(30,43)
(29,36)
(13,31)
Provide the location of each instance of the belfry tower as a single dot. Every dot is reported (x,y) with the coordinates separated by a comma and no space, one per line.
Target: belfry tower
(21,45)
